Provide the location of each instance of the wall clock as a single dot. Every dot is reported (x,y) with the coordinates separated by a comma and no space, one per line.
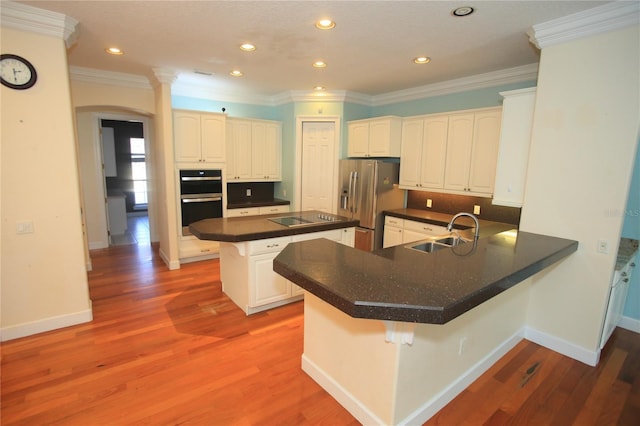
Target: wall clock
(16,72)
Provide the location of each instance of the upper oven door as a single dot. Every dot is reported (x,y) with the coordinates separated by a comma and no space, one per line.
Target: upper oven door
(197,182)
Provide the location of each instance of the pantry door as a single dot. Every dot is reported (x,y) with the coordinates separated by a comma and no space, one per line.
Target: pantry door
(319,165)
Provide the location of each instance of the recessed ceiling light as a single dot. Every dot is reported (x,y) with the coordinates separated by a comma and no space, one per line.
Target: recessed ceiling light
(247,47)
(114,51)
(236,73)
(422,60)
(319,64)
(319,88)
(462,11)
(325,24)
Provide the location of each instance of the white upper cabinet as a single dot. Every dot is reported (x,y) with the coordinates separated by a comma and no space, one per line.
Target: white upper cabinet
(423,152)
(453,152)
(513,153)
(375,137)
(254,150)
(198,137)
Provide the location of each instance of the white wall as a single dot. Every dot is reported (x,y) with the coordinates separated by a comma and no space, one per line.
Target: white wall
(584,137)
(44,282)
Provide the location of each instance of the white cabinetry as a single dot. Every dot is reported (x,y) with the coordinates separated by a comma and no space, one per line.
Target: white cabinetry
(246,270)
(252,211)
(254,150)
(392,231)
(117,211)
(423,153)
(192,249)
(401,231)
(454,153)
(375,137)
(617,299)
(513,152)
(198,137)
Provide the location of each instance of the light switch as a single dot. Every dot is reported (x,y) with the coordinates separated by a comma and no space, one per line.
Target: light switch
(24,227)
(476,209)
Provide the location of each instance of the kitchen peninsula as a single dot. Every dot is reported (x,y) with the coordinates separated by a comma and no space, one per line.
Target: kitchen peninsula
(395,334)
(249,244)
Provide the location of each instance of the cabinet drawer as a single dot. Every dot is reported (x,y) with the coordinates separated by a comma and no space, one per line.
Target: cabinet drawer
(393,221)
(269,245)
(425,228)
(243,212)
(334,234)
(274,209)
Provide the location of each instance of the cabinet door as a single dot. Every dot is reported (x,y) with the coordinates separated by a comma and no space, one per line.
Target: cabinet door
(186,136)
(266,286)
(484,151)
(379,138)
(266,147)
(212,128)
(459,141)
(411,152)
(358,139)
(434,151)
(239,150)
(392,236)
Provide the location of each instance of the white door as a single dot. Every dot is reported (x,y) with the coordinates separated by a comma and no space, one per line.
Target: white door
(318,166)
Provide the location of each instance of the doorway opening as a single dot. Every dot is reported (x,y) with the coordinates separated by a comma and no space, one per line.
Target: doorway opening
(125,158)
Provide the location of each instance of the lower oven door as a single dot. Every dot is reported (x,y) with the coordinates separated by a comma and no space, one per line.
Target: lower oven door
(195,207)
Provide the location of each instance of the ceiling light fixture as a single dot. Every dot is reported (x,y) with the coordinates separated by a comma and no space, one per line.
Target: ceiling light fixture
(422,60)
(247,47)
(325,24)
(236,73)
(319,64)
(462,11)
(319,88)
(114,51)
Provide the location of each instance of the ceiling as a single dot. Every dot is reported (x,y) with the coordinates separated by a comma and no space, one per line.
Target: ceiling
(370,51)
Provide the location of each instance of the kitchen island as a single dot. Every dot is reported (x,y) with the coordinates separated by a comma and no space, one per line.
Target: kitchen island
(249,244)
(395,334)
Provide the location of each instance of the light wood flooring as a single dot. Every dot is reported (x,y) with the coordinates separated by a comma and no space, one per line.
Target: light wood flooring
(168,348)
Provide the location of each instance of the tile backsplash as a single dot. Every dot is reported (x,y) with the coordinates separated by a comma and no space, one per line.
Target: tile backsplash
(249,191)
(448,203)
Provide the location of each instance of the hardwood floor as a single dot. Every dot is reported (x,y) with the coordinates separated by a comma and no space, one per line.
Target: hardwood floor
(167,347)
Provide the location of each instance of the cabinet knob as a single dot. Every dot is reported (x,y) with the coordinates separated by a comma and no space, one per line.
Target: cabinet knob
(626,280)
(633,264)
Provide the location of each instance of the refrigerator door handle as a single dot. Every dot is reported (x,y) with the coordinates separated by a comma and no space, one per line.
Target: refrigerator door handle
(350,193)
(355,193)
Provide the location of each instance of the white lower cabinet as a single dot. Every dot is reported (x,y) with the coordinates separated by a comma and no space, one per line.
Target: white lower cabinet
(402,231)
(252,211)
(617,298)
(246,270)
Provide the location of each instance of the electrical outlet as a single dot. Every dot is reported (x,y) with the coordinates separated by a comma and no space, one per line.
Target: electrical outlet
(284,192)
(476,209)
(603,246)
(462,346)
(248,192)
(429,202)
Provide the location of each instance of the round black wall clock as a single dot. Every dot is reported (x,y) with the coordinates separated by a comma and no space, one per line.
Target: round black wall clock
(16,72)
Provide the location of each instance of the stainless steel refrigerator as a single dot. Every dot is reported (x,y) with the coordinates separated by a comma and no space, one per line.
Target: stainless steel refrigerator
(367,188)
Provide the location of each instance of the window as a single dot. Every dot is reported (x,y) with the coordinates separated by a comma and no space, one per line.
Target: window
(139,172)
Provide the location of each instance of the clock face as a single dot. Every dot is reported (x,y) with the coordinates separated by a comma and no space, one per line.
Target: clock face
(16,72)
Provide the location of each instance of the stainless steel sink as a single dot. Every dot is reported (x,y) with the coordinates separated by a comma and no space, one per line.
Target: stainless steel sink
(438,243)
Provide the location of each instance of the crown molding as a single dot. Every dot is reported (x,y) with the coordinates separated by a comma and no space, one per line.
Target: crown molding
(32,19)
(165,76)
(110,78)
(201,91)
(608,17)
(480,81)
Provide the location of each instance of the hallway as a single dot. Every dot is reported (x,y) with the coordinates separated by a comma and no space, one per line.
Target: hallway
(137,232)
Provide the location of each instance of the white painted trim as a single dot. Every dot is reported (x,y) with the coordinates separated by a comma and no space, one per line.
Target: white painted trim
(608,17)
(589,357)
(97,245)
(339,393)
(435,404)
(47,324)
(297,184)
(630,324)
(40,21)
(172,265)
(109,78)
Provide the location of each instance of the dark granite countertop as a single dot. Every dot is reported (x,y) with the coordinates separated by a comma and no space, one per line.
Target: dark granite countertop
(402,284)
(249,228)
(260,203)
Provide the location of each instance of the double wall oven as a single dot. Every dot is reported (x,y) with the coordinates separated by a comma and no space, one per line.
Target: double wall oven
(200,196)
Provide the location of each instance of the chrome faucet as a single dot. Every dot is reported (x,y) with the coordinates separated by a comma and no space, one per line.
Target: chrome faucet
(475,220)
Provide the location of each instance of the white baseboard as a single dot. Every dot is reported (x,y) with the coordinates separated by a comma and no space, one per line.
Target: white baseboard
(435,404)
(630,324)
(96,245)
(429,408)
(589,357)
(170,264)
(47,324)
